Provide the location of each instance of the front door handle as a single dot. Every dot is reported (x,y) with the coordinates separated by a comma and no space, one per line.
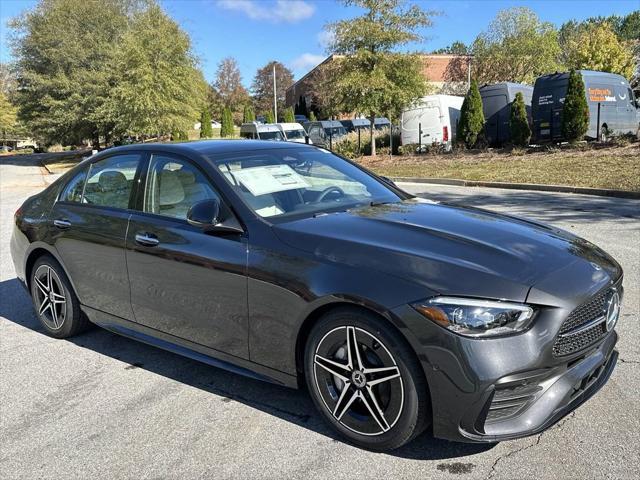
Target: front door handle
(147,239)
(62,223)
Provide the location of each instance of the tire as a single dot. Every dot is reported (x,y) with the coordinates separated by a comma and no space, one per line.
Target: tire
(381,416)
(59,313)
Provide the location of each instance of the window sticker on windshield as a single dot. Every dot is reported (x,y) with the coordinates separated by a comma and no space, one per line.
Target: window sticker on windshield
(270,179)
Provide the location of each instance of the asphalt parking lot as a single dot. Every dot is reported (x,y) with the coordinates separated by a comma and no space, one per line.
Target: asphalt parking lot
(102,406)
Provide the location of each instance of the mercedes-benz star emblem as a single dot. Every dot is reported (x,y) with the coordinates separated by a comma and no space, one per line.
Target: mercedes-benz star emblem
(613,309)
(358,379)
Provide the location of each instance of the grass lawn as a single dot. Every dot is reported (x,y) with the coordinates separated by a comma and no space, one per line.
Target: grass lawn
(610,167)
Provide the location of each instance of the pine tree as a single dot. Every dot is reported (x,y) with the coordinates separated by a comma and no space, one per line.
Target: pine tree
(268,118)
(575,113)
(519,123)
(248,115)
(289,116)
(227,123)
(312,116)
(304,110)
(205,124)
(471,116)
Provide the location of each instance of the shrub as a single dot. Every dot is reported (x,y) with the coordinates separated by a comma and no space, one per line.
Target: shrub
(179,136)
(248,115)
(575,113)
(471,117)
(289,116)
(205,124)
(519,123)
(312,116)
(268,117)
(227,123)
(348,144)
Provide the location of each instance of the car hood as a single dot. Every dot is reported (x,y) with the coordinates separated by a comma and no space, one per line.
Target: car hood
(448,249)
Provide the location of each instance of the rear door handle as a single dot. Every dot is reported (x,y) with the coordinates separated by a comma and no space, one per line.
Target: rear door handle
(61,223)
(147,239)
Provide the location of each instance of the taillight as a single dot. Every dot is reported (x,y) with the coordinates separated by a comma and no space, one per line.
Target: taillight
(445,133)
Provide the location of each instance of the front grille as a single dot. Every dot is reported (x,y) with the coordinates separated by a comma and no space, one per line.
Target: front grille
(573,335)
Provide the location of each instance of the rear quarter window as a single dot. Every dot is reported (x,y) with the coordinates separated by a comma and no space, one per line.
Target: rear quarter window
(72,191)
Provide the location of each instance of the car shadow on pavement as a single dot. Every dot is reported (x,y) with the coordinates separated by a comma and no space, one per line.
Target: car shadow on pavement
(546,207)
(294,406)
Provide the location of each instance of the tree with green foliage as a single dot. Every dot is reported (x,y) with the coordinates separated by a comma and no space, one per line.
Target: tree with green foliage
(205,124)
(595,46)
(64,52)
(519,122)
(289,116)
(373,77)
(268,117)
(312,116)
(456,48)
(575,112)
(262,86)
(517,47)
(248,114)
(227,123)
(156,93)
(471,117)
(8,117)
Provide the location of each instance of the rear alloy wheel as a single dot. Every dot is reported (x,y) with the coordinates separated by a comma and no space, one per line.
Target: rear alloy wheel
(365,380)
(55,302)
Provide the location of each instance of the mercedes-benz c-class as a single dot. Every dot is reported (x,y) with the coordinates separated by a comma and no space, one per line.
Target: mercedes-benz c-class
(287,263)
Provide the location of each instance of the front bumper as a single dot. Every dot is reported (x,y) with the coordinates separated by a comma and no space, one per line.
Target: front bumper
(498,389)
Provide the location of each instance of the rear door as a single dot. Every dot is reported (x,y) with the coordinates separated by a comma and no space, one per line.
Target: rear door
(90,220)
(185,282)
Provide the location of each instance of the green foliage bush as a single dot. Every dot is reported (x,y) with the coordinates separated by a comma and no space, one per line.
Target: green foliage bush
(312,116)
(519,123)
(471,117)
(268,117)
(227,123)
(179,136)
(347,146)
(575,113)
(205,124)
(248,114)
(289,116)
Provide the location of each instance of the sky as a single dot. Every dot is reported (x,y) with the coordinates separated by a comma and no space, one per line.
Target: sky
(291,31)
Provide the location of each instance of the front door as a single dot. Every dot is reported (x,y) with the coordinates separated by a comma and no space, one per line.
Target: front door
(89,224)
(185,282)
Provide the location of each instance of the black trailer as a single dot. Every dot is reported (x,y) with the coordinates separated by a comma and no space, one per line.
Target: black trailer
(496,105)
(613,109)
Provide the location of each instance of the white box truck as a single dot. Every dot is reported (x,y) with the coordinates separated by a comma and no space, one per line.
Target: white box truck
(431,122)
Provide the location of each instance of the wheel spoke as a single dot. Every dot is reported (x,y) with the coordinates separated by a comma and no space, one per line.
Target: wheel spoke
(334,368)
(57,298)
(340,404)
(44,305)
(42,287)
(49,284)
(353,352)
(54,316)
(344,406)
(376,376)
(369,399)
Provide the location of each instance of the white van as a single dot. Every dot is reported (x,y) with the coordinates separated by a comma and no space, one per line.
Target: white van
(293,132)
(261,131)
(435,117)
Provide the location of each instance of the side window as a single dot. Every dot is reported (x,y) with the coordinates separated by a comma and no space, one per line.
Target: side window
(110,181)
(173,186)
(72,192)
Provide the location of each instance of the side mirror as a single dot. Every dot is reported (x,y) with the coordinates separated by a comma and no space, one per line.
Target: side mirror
(206,215)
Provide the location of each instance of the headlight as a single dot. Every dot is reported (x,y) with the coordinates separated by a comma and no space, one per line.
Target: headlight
(476,318)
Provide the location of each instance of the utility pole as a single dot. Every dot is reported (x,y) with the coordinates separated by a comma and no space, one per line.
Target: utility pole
(275,96)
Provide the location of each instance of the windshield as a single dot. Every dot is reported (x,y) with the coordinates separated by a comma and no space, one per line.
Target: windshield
(271,136)
(335,131)
(291,134)
(306,181)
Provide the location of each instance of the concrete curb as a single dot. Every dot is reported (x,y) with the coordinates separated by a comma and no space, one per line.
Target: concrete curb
(602,192)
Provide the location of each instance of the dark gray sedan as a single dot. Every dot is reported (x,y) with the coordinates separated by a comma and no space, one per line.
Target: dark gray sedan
(287,263)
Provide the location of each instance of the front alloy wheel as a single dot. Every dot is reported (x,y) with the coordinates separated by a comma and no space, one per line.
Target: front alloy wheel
(365,380)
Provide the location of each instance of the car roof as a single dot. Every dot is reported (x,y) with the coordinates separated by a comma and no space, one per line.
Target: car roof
(206,147)
(290,125)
